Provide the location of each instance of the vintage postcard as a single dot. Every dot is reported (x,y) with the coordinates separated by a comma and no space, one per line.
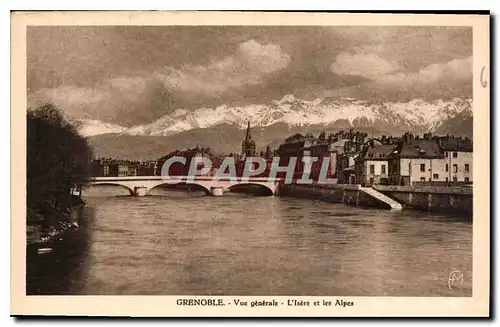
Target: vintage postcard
(250,164)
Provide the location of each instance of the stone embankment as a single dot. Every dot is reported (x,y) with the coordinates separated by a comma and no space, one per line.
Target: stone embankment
(427,198)
(349,194)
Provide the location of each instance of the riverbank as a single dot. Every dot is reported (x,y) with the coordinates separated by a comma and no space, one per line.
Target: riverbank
(434,199)
(348,194)
(53,265)
(42,236)
(453,199)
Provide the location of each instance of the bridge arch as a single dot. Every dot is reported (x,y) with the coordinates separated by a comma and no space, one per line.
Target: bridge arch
(252,188)
(183,185)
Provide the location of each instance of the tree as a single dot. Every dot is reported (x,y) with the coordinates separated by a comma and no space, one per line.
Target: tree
(58,159)
(322,137)
(309,136)
(294,138)
(331,137)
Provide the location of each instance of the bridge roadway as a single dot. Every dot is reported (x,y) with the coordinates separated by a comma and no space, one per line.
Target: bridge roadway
(141,185)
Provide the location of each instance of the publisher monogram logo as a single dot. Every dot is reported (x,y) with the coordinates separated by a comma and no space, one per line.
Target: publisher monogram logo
(455,279)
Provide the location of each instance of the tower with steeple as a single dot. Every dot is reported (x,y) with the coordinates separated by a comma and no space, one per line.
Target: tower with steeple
(248,145)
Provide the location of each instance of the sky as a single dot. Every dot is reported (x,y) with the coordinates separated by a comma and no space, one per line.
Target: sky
(131,75)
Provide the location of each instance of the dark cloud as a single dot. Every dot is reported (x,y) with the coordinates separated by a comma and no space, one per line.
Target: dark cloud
(131,75)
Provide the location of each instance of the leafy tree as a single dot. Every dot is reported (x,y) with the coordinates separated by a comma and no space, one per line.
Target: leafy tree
(322,137)
(294,138)
(58,159)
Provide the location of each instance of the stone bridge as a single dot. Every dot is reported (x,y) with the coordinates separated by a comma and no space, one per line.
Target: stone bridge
(141,185)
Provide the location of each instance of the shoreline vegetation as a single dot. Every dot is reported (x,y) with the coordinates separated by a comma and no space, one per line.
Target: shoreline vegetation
(58,162)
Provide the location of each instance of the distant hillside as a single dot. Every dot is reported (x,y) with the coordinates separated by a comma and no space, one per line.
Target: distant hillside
(461,125)
(223,128)
(222,139)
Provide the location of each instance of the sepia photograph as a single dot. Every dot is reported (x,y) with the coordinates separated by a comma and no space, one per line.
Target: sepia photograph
(301,165)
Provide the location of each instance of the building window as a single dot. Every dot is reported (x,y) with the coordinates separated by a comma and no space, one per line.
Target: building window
(454,178)
(455,168)
(455,154)
(422,179)
(446,179)
(371,181)
(383,169)
(372,169)
(466,168)
(446,167)
(435,176)
(446,154)
(466,179)
(106,170)
(422,167)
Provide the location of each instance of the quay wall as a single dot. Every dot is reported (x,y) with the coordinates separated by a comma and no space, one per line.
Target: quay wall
(431,198)
(426,198)
(349,194)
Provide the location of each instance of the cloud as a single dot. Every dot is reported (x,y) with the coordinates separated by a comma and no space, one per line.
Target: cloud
(388,78)
(249,65)
(454,71)
(113,99)
(76,100)
(134,84)
(136,74)
(365,65)
(117,100)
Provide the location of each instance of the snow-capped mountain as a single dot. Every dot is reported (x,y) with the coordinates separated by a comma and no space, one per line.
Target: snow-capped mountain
(222,128)
(90,127)
(416,114)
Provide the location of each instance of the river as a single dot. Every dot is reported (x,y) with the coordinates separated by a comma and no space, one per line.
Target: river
(175,243)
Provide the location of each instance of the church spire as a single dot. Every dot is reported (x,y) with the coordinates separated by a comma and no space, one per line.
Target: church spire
(248,136)
(248,145)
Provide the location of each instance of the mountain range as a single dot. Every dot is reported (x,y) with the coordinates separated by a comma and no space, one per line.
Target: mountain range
(222,128)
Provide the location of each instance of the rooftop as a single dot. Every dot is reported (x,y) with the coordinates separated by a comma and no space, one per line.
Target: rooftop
(418,148)
(456,144)
(377,151)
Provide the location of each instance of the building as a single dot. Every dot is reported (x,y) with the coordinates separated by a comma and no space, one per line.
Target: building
(458,157)
(346,167)
(334,147)
(104,168)
(132,170)
(295,148)
(431,161)
(122,170)
(182,169)
(352,146)
(322,150)
(248,145)
(371,165)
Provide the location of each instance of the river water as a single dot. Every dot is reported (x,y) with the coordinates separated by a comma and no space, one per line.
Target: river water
(174,243)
